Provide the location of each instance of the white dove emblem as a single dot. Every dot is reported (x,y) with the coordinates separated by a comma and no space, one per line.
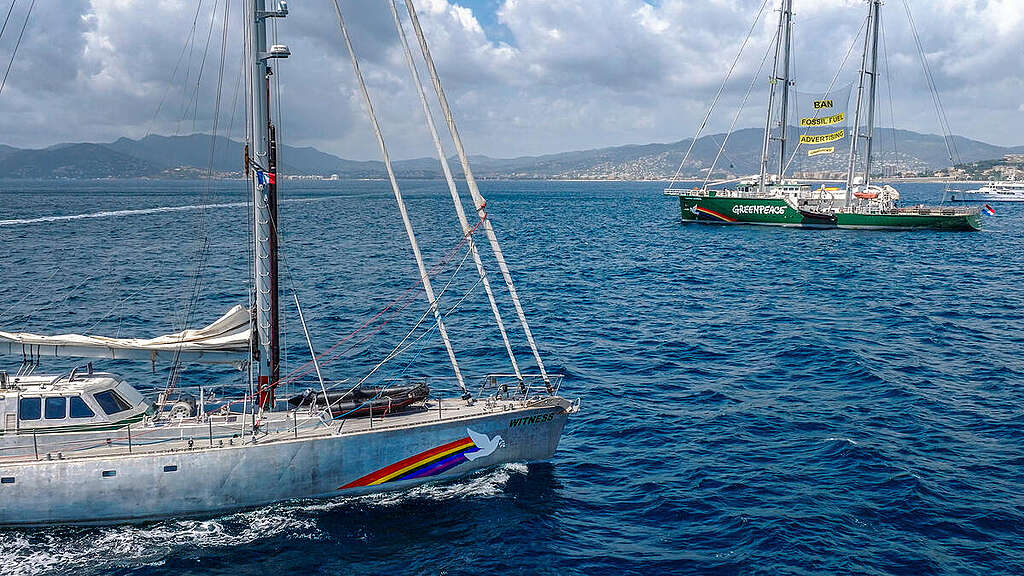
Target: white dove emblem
(486,445)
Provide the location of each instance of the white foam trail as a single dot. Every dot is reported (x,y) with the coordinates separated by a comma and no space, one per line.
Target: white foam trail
(141,211)
(102,550)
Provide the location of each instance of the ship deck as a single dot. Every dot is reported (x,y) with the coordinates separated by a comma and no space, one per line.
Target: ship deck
(304,426)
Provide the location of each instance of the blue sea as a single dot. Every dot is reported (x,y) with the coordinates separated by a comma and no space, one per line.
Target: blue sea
(754,400)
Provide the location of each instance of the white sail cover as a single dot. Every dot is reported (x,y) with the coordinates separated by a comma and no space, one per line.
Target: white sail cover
(226,341)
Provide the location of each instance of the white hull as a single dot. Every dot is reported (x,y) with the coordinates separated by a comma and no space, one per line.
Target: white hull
(175,480)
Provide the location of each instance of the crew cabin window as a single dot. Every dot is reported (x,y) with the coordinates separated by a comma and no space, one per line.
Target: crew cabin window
(110,402)
(55,408)
(30,408)
(79,409)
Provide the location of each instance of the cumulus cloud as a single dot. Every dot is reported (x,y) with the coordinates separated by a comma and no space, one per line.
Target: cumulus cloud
(524,76)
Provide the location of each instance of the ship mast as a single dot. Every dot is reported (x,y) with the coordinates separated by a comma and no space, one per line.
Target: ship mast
(261,168)
(780,73)
(869,66)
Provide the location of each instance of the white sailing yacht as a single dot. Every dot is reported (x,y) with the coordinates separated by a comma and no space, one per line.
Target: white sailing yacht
(86,447)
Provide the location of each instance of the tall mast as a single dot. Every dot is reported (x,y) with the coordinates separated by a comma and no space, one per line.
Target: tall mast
(261,165)
(875,7)
(868,60)
(780,73)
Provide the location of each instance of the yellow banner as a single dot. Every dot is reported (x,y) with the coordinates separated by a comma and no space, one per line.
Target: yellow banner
(823,138)
(826,121)
(816,151)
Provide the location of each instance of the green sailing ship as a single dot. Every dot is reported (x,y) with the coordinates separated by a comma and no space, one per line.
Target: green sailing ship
(773,200)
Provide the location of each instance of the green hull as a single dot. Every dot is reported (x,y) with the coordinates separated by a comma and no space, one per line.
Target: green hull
(775,212)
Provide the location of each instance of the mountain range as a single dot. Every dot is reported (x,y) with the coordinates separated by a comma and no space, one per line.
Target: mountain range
(189,156)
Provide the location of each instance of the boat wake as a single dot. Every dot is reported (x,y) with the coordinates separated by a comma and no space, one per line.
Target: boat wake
(105,549)
(143,211)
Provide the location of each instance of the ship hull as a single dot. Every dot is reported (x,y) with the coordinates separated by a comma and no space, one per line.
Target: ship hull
(203,481)
(776,212)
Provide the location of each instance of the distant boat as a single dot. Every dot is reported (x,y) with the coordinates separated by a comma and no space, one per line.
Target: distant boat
(771,199)
(86,447)
(1004,191)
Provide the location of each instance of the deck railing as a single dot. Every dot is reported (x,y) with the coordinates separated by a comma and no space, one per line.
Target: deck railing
(220,421)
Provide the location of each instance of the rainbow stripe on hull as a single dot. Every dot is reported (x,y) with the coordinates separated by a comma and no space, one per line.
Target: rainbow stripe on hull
(713,214)
(431,462)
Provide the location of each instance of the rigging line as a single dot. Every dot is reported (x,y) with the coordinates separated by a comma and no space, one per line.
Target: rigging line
(405,369)
(394,351)
(332,353)
(718,95)
(204,239)
(419,351)
(398,198)
(452,188)
(736,117)
(170,84)
(17,44)
(3,314)
(120,303)
(828,90)
(194,100)
(929,79)
(478,200)
(220,89)
(8,17)
(234,103)
(190,42)
(714,141)
(892,111)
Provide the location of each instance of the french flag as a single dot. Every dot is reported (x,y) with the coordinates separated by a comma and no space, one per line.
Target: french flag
(263,178)
(988,210)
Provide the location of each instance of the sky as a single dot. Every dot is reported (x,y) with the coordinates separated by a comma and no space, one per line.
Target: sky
(524,77)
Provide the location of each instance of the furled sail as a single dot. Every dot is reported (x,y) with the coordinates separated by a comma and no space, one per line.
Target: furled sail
(226,341)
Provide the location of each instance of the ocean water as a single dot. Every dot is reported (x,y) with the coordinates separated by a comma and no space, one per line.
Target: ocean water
(754,400)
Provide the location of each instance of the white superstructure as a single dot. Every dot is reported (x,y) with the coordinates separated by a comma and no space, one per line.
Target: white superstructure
(1005,191)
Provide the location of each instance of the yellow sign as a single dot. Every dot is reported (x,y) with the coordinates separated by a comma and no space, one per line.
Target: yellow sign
(819,104)
(822,138)
(826,121)
(816,151)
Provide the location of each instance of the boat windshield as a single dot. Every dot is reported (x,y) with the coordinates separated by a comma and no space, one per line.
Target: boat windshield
(110,402)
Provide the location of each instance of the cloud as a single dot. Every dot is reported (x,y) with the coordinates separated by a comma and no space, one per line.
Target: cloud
(523,76)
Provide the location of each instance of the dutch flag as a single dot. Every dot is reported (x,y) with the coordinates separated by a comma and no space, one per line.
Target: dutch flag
(988,210)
